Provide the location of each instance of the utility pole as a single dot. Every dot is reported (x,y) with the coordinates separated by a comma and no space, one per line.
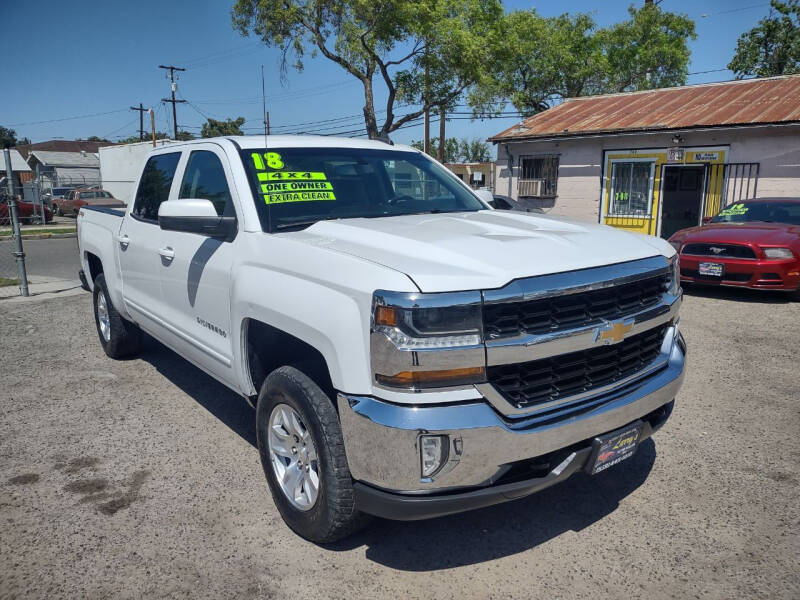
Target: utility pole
(173,87)
(153,125)
(267,122)
(441,133)
(141,110)
(19,254)
(426,140)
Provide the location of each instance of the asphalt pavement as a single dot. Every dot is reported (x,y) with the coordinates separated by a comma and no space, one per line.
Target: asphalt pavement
(55,258)
(140,478)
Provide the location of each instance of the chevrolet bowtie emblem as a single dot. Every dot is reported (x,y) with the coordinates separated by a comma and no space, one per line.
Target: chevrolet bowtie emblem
(612,333)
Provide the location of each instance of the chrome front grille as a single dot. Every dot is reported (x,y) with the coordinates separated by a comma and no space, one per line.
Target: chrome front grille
(546,380)
(567,311)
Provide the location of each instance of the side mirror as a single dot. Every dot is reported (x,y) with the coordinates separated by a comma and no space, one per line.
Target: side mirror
(195,216)
(486,196)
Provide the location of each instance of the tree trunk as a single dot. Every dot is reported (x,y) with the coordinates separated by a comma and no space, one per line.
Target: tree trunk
(369,110)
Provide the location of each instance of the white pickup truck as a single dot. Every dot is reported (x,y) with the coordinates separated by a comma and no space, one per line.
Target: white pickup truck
(410,351)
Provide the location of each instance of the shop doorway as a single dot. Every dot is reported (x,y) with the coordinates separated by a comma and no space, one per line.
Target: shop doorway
(682,190)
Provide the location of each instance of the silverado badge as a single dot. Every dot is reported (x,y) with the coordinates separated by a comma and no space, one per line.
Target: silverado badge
(612,332)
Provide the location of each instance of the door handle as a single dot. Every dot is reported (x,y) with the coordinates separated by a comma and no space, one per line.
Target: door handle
(124,240)
(168,253)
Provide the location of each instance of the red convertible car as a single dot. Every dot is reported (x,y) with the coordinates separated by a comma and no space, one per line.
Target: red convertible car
(752,243)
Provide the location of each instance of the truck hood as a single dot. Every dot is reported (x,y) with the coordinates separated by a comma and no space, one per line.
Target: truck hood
(479,250)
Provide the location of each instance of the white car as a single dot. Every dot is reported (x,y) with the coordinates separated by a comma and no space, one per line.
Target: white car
(410,351)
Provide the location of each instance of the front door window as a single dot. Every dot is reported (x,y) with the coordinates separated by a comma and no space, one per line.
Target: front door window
(631,189)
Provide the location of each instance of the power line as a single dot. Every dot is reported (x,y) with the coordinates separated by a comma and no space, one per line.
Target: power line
(110,112)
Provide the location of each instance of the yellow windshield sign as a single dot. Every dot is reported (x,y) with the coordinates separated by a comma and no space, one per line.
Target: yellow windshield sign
(298,197)
(291,175)
(736,209)
(280,187)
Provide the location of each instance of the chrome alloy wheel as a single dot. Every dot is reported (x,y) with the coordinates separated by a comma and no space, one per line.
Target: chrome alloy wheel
(294,457)
(102,317)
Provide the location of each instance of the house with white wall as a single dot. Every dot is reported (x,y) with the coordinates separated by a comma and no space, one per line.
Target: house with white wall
(659,160)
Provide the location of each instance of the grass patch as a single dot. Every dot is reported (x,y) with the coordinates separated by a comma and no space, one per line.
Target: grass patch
(6,282)
(24,232)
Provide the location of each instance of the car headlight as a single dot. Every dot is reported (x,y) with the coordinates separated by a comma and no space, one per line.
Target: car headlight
(674,277)
(427,340)
(418,321)
(778,253)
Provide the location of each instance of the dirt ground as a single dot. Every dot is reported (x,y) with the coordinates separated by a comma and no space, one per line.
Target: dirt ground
(140,478)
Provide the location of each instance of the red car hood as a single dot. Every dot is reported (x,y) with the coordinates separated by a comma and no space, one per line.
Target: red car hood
(752,232)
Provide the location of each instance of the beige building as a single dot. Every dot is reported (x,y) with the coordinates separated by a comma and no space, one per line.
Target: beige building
(476,174)
(659,160)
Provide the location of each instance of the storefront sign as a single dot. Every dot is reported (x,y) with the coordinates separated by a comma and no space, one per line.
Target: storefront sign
(706,156)
(675,155)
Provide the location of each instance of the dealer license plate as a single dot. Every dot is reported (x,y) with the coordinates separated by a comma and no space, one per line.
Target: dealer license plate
(614,447)
(711,269)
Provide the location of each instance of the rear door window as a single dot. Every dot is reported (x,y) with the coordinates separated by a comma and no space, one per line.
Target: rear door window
(154,185)
(204,178)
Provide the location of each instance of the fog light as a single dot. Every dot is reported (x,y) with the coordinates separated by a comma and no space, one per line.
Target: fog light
(433,451)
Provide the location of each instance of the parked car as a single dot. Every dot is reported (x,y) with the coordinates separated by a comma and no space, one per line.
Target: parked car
(409,351)
(75,199)
(752,243)
(501,202)
(55,195)
(27,212)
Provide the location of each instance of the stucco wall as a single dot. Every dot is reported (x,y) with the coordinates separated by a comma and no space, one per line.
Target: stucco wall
(777,149)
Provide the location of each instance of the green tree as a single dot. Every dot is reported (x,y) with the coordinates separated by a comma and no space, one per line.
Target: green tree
(94,138)
(773,46)
(474,150)
(185,136)
(8,138)
(134,139)
(548,59)
(426,52)
(214,128)
(452,148)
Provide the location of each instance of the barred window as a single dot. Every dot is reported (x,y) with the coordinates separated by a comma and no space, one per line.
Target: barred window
(631,189)
(539,177)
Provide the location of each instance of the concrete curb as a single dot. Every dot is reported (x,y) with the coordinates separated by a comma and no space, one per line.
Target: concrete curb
(46,289)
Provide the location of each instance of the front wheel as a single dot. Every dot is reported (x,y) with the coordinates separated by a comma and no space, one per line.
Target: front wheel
(302,453)
(118,337)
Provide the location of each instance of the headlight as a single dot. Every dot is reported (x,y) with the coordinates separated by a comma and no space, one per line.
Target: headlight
(419,321)
(674,277)
(421,341)
(778,253)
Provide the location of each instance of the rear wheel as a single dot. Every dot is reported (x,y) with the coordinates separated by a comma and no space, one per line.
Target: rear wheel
(118,337)
(302,453)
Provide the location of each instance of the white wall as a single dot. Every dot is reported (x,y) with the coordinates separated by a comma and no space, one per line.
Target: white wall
(120,167)
(777,149)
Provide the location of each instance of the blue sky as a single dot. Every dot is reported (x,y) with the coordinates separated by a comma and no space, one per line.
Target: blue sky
(99,57)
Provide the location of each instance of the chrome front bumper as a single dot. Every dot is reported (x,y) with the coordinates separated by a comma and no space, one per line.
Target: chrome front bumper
(381,439)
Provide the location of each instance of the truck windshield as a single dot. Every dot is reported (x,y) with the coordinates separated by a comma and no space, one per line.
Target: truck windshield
(296,187)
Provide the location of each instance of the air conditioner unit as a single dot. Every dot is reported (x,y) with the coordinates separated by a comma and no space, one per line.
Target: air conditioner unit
(530,187)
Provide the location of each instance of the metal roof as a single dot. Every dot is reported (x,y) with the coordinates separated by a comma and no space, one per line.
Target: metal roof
(727,104)
(65,159)
(17,163)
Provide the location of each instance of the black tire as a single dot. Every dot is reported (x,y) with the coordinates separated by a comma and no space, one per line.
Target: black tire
(124,337)
(333,516)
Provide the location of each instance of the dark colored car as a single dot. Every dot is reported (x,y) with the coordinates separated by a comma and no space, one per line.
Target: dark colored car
(75,199)
(508,203)
(752,243)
